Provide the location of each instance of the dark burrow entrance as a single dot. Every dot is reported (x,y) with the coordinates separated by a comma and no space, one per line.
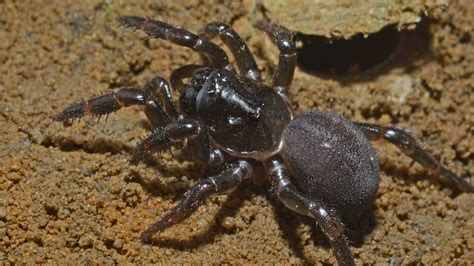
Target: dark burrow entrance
(362,55)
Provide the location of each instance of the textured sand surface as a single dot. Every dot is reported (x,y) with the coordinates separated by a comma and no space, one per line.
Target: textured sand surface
(346,18)
(69,193)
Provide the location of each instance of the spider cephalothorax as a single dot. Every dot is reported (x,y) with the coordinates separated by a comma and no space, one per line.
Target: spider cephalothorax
(229,118)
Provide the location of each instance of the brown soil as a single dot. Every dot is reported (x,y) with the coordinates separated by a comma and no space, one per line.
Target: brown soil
(346,18)
(69,194)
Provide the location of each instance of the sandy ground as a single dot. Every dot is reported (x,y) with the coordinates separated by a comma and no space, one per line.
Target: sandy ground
(342,18)
(69,193)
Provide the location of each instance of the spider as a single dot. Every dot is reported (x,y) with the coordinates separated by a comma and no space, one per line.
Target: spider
(319,163)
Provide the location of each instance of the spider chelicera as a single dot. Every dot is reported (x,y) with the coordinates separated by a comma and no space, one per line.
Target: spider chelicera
(319,163)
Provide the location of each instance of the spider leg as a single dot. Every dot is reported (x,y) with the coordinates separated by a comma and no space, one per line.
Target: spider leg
(112,102)
(163,138)
(183,130)
(198,149)
(296,201)
(410,146)
(179,74)
(162,30)
(283,38)
(161,87)
(243,57)
(224,182)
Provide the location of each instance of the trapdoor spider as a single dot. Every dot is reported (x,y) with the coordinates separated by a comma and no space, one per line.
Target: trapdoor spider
(229,118)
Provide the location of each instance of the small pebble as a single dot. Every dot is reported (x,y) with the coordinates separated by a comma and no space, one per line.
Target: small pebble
(108,234)
(14,176)
(14,167)
(118,243)
(228,223)
(85,241)
(39,259)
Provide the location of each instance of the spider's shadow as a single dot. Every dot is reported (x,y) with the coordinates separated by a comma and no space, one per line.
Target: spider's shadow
(357,229)
(403,173)
(156,187)
(229,209)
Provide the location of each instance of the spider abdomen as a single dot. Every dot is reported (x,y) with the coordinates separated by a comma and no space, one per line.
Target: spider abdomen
(331,159)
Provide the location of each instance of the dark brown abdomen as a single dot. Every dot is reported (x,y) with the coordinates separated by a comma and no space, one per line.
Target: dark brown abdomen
(330,158)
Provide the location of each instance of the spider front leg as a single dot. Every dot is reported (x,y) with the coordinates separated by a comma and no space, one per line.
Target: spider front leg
(296,201)
(408,145)
(226,181)
(181,73)
(183,130)
(243,57)
(161,87)
(112,102)
(163,139)
(200,150)
(283,38)
(162,30)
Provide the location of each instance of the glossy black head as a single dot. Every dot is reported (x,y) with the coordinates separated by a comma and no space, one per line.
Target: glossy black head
(224,101)
(242,118)
(330,157)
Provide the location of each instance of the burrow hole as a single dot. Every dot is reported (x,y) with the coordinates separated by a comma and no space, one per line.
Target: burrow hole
(362,55)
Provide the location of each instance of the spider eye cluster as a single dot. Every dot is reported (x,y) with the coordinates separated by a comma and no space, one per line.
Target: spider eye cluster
(199,77)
